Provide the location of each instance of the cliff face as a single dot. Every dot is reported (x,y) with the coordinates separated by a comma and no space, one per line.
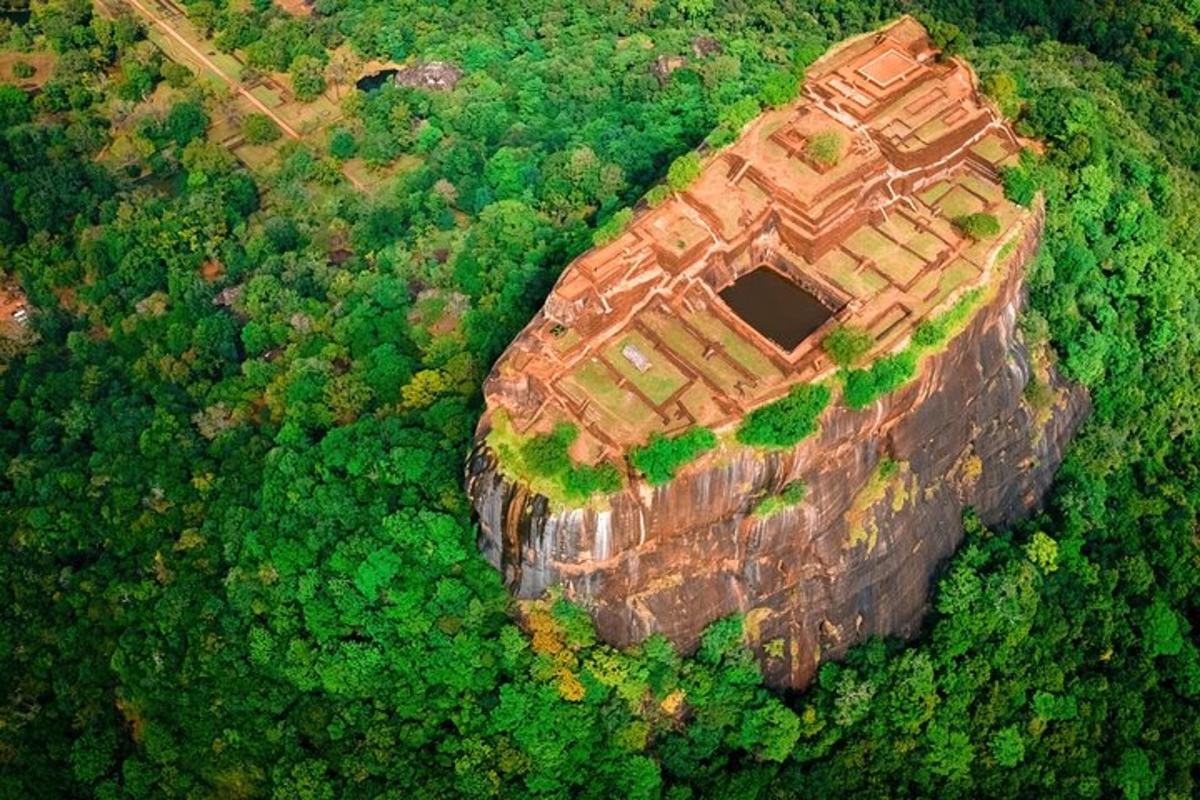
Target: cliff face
(886,487)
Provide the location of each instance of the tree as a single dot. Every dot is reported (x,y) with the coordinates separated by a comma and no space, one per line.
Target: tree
(342,144)
(980,225)
(308,78)
(846,345)
(185,121)
(785,422)
(780,88)
(662,457)
(259,129)
(683,171)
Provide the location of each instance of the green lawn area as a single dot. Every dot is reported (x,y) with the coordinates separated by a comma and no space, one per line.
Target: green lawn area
(268,96)
(658,382)
(867,242)
(991,148)
(928,245)
(842,269)
(691,349)
(740,350)
(932,130)
(957,202)
(954,276)
(900,266)
(622,408)
(931,195)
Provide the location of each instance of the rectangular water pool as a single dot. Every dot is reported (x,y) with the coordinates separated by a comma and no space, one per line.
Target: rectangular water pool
(775,307)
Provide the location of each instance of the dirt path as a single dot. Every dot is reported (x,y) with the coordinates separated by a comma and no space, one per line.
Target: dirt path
(233,83)
(212,66)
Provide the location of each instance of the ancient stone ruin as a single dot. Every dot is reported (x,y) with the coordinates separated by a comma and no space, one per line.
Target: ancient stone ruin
(838,210)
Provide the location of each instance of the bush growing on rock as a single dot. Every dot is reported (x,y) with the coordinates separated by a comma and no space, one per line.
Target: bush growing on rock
(547,456)
(683,171)
(825,148)
(978,226)
(664,455)
(846,345)
(864,386)
(785,422)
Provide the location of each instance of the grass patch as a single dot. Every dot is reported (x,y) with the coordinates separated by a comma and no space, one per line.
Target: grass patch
(864,386)
(544,464)
(786,421)
(824,148)
(791,495)
(664,455)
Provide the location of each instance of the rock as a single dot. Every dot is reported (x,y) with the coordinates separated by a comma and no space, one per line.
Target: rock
(433,76)
(687,553)
(662,67)
(705,46)
(640,337)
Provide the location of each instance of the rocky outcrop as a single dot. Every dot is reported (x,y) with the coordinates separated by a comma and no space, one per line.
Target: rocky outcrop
(854,559)
(432,76)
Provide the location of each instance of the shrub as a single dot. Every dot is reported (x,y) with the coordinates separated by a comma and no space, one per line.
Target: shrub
(824,148)
(683,171)
(978,226)
(846,345)
(809,51)
(720,136)
(779,89)
(176,75)
(546,456)
(657,195)
(613,227)
(1021,181)
(259,129)
(790,495)
(342,144)
(785,422)
(23,70)
(933,332)
(582,481)
(663,456)
(737,115)
(864,386)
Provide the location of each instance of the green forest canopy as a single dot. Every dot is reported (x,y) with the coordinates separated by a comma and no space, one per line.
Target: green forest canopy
(238,560)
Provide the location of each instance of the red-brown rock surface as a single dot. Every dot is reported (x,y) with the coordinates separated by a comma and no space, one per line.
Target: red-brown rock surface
(856,557)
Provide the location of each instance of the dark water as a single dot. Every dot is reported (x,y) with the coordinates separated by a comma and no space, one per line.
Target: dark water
(369,83)
(18,16)
(775,307)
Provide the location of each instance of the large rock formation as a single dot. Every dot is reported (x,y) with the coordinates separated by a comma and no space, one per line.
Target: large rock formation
(636,338)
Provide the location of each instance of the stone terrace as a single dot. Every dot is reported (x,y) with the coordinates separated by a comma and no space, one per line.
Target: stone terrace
(634,338)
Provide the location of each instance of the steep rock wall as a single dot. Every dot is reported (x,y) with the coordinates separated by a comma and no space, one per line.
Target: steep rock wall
(855,559)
